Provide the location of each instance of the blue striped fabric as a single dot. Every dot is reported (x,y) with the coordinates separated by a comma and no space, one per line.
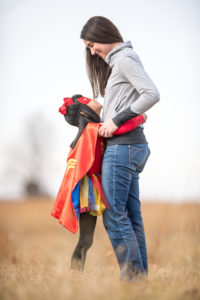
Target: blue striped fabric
(75,198)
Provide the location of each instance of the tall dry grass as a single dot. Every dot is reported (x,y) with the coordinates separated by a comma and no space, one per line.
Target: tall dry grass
(35,254)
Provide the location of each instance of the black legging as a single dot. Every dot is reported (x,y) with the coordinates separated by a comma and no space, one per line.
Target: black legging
(87,225)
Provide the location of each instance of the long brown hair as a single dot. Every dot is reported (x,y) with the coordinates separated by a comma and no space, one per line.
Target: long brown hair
(100,30)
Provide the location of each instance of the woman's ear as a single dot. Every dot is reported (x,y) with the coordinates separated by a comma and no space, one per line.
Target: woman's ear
(82,113)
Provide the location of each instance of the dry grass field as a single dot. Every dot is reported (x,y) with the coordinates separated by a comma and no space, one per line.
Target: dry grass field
(35,252)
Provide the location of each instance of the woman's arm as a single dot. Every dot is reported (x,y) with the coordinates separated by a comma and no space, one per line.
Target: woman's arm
(133,72)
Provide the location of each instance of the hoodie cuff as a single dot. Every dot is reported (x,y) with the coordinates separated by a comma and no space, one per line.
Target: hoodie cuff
(124,116)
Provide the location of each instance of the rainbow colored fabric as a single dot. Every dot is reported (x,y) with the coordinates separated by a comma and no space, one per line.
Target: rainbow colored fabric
(86,196)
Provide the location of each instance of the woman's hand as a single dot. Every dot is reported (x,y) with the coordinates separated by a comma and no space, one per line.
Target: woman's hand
(107,128)
(145,117)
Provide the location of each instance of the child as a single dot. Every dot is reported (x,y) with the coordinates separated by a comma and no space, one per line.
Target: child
(80,197)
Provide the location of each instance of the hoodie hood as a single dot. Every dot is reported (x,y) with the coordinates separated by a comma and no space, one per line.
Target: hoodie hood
(110,56)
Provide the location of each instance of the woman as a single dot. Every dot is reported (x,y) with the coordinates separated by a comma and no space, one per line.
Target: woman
(116,72)
(80,197)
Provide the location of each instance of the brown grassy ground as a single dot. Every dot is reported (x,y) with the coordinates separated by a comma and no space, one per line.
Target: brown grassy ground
(35,256)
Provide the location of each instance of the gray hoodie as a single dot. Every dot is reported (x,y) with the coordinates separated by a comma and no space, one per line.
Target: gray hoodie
(129,89)
(128,84)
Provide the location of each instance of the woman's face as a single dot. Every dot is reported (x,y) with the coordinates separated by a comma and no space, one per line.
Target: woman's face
(96,106)
(98,49)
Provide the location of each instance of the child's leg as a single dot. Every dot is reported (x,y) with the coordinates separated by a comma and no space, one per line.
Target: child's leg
(87,225)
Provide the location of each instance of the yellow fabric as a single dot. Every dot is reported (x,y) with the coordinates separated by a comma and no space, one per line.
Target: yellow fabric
(99,202)
(84,188)
(84,199)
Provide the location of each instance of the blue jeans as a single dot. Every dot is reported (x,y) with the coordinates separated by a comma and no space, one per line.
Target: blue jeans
(123,220)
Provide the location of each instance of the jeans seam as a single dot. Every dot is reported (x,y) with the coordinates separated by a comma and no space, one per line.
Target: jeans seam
(126,242)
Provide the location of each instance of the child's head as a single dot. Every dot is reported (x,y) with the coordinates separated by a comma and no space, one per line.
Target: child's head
(79,111)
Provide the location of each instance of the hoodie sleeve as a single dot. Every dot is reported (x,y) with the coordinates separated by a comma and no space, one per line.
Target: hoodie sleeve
(130,68)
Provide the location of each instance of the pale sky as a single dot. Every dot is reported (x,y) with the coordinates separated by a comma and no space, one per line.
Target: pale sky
(42,60)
